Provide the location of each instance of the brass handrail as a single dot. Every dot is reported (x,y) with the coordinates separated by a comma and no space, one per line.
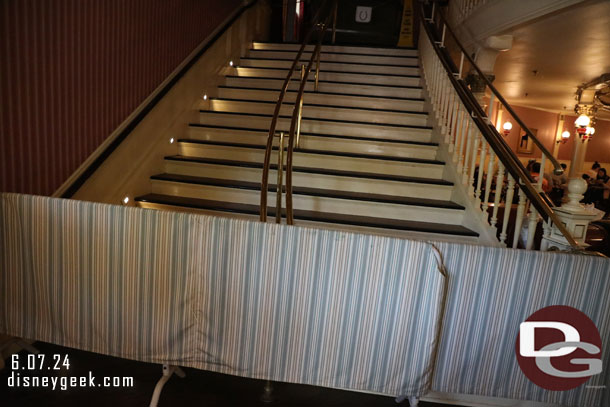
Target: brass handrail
(497,143)
(557,169)
(295,117)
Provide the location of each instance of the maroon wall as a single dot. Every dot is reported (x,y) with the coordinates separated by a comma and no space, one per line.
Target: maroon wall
(72,70)
(546,123)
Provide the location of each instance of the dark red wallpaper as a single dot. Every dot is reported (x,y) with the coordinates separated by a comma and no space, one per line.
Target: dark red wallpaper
(72,70)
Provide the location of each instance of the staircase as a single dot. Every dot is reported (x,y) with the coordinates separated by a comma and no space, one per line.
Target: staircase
(367,161)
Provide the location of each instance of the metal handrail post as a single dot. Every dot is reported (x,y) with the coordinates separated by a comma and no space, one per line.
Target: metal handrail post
(280,187)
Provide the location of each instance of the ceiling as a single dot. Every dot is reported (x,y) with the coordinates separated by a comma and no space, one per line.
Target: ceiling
(553,54)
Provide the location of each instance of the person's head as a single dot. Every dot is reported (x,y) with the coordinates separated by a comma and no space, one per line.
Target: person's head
(601,173)
(595,166)
(564,166)
(536,168)
(585,176)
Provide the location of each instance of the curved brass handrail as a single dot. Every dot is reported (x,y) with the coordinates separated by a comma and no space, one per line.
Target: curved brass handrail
(558,170)
(495,140)
(297,106)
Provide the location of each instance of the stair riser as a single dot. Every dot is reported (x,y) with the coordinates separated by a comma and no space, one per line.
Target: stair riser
(312,203)
(318,112)
(323,98)
(350,89)
(332,77)
(319,143)
(337,48)
(325,57)
(301,159)
(321,127)
(322,181)
(331,66)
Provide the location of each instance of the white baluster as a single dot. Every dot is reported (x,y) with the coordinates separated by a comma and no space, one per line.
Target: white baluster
(454,118)
(446,113)
(463,136)
(477,196)
(448,124)
(541,177)
(488,180)
(498,193)
(467,153)
(473,162)
(508,203)
(519,218)
(531,227)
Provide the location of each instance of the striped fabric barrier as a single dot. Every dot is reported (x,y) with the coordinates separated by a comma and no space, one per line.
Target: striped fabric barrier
(332,309)
(491,291)
(328,308)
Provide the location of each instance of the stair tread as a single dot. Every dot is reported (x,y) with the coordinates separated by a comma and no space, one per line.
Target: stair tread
(269,102)
(345,46)
(321,152)
(320,119)
(313,170)
(356,220)
(327,93)
(330,71)
(325,81)
(265,132)
(297,190)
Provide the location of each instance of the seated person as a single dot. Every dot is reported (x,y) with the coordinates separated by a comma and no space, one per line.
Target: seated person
(558,184)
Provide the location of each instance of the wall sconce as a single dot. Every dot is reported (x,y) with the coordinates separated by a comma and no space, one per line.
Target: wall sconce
(564,137)
(507,127)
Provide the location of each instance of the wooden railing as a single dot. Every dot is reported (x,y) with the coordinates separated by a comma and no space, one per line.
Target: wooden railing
(475,143)
(320,26)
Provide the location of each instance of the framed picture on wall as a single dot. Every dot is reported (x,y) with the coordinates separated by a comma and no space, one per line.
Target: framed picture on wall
(526,144)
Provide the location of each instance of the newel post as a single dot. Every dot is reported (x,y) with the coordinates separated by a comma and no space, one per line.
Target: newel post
(573,215)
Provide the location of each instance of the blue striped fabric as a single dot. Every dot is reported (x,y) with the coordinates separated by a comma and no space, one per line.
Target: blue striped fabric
(491,291)
(327,308)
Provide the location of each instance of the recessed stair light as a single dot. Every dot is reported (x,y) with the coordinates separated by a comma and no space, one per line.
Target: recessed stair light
(171,140)
(125,200)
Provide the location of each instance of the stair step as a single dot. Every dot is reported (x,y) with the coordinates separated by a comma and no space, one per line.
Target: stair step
(311,199)
(325,142)
(392,60)
(323,111)
(331,66)
(404,52)
(332,87)
(332,76)
(329,98)
(302,217)
(317,158)
(320,125)
(355,181)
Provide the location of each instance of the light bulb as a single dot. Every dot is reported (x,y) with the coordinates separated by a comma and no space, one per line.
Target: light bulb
(230,63)
(171,140)
(507,126)
(126,200)
(565,135)
(582,121)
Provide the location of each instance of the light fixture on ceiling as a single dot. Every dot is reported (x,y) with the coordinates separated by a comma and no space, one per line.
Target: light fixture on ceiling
(582,122)
(507,127)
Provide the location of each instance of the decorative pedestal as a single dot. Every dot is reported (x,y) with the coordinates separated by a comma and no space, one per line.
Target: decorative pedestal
(574,217)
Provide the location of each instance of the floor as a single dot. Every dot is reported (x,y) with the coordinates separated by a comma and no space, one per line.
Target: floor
(197,388)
